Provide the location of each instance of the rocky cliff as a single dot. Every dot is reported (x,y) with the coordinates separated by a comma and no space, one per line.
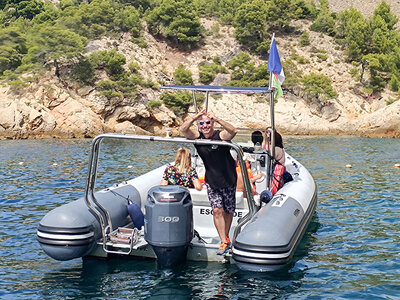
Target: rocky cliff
(51,107)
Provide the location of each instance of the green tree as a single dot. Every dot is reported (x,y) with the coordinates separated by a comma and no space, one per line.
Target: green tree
(63,4)
(383,11)
(83,71)
(355,32)
(242,68)
(128,19)
(207,8)
(318,86)
(250,24)
(176,20)
(55,44)
(303,9)
(3,4)
(24,8)
(178,102)
(304,39)
(292,75)
(92,19)
(394,83)
(279,13)
(324,22)
(112,61)
(49,14)
(12,48)
(226,10)
(208,71)
(384,38)
(379,66)
(260,76)
(246,73)
(183,76)
(140,5)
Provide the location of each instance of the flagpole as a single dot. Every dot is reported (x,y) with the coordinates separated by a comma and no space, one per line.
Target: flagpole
(272,116)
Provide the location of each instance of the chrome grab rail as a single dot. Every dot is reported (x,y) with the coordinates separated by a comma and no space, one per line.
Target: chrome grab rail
(104,216)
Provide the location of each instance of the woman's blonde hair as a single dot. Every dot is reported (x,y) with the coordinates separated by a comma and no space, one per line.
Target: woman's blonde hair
(183,159)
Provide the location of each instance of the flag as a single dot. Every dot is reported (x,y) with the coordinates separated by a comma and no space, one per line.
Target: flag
(277,86)
(275,67)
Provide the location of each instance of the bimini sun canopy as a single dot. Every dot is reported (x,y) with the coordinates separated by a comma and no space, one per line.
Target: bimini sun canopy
(219,89)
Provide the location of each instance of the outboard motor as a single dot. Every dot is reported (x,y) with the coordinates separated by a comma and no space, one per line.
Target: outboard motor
(168,224)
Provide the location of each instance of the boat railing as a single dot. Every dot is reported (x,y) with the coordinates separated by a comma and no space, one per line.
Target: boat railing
(104,216)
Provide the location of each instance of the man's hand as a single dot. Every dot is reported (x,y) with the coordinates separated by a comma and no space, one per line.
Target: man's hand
(199,114)
(229,131)
(185,127)
(212,117)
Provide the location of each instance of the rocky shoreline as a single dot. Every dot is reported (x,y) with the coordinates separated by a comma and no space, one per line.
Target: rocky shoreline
(72,115)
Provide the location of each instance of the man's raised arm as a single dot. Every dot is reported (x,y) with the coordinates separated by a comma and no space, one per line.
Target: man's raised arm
(185,127)
(229,131)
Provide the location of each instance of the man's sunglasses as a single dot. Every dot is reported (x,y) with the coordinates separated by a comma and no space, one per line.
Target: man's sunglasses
(207,122)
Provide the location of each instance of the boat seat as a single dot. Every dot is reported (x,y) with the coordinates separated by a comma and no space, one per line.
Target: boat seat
(200,198)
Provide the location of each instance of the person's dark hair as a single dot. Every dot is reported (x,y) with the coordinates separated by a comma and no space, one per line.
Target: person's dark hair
(278,139)
(257,137)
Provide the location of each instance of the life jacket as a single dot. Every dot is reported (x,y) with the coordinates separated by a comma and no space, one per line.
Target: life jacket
(277,178)
(249,174)
(202,179)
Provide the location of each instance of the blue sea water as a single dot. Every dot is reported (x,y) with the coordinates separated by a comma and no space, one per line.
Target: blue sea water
(351,249)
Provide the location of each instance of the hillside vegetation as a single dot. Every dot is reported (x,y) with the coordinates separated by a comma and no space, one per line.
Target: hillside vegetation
(112,57)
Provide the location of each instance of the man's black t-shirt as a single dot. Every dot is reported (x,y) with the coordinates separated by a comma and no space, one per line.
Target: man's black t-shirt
(218,162)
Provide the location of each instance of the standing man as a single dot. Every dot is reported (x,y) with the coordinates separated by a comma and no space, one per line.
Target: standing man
(220,174)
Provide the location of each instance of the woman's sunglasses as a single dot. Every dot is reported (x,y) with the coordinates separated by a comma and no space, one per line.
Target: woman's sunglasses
(207,122)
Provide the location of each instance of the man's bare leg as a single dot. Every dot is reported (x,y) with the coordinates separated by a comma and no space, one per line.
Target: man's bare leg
(228,222)
(220,223)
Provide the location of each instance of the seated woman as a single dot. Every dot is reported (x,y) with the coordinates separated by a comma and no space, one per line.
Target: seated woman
(278,178)
(279,150)
(182,173)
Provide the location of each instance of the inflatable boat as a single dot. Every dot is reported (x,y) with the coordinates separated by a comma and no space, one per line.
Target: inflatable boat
(140,218)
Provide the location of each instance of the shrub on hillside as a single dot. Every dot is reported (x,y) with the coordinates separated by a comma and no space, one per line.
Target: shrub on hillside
(83,71)
(208,71)
(111,61)
(249,23)
(178,102)
(394,83)
(154,103)
(318,86)
(176,20)
(183,76)
(325,21)
(304,39)
(12,48)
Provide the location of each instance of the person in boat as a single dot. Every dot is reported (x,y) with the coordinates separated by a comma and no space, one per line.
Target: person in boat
(220,174)
(252,178)
(279,150)
(280,176)
(182,172)
(257,138)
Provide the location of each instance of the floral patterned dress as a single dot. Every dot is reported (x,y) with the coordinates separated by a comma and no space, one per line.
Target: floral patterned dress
(173,177)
